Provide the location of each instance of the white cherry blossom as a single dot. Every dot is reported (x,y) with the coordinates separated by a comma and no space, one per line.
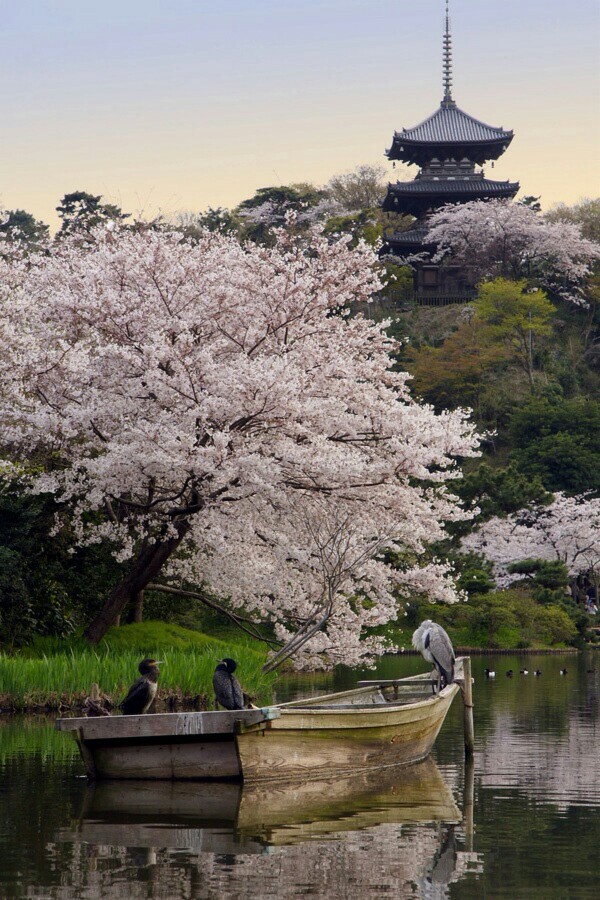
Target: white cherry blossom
(207,409)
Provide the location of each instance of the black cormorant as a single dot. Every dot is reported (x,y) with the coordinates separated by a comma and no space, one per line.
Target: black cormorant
(228,691)
(143,691)
(510,673)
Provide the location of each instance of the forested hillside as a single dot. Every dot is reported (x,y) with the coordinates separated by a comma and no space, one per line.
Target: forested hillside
(523,357)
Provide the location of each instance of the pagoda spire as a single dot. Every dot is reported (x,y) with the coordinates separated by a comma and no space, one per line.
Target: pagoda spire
(447,59)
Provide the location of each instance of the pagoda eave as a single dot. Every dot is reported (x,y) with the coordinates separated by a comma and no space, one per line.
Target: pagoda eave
(418,197)
(420,152)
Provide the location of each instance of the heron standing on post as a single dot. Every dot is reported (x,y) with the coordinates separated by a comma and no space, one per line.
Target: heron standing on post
(434,644)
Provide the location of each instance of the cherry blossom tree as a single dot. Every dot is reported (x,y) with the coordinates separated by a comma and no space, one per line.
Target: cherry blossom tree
(498,238)
(567,530)
(205,408)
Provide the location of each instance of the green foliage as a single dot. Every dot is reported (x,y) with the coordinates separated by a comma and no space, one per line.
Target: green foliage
(292,196)
(398,282)
(532,202)
(515,314)
(499,492)
(364,188)
(473,573)
(585,214)
(218,219)
(512,619)
(453,374)
(497,620)
(549,578)
(362,225)
(55,670)
(557,441)
(22,226)
(44,588)
(80,212)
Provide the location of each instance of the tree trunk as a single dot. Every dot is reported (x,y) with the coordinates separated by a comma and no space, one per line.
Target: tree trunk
(138,607)
(143,569)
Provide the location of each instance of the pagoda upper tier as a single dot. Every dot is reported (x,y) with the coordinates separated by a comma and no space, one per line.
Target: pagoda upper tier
(447,146)
(449,133)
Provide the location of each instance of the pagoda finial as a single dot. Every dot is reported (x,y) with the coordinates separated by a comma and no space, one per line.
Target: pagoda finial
(447,58)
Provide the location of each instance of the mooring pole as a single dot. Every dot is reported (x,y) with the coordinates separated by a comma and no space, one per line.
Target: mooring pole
(469,802)
(467,696)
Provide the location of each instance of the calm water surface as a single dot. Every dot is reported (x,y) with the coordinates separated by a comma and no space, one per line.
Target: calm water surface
(532,830)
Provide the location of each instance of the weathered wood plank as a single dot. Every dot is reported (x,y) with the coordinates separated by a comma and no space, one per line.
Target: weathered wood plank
(196,760)
(310,744)
(396,682)
(163,724)
(308,716)
(86,755)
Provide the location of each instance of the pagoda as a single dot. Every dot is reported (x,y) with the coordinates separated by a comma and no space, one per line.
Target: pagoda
(447,147)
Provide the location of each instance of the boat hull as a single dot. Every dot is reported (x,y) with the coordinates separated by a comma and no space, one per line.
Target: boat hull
(310,744)
(374,726)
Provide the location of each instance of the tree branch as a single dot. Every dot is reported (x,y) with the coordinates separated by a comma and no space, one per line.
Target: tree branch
(237,620)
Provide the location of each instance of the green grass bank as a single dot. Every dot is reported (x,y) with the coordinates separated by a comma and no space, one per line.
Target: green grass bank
(56,675)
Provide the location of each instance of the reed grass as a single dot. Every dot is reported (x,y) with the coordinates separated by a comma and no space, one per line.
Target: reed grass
(60,677)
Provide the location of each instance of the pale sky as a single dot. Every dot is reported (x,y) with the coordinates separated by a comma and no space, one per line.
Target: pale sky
(163,105)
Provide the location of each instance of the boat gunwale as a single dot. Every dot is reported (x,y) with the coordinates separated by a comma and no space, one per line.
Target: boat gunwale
(448,693)
(312,704)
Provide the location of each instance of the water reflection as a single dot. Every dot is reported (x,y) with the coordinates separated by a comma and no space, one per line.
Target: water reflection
(180,814)
(406,818)
(526,825)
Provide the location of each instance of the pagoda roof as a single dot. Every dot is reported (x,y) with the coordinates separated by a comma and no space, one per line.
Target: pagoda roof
(473,185)
(415,197)
(449,126)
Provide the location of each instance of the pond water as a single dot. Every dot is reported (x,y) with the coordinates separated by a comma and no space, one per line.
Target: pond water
(532,830)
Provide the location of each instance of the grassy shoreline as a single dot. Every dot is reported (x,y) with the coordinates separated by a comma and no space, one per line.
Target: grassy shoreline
(56,675)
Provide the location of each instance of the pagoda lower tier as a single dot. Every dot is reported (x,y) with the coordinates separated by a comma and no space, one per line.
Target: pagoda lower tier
(423,195)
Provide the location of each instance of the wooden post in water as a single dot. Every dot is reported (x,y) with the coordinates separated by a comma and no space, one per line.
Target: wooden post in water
(468,802)
(467,696)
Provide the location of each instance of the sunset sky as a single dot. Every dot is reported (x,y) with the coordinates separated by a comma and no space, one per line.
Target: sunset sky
(163,106)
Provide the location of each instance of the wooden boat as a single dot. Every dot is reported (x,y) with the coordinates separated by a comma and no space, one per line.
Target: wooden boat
(231,817)
(378,724)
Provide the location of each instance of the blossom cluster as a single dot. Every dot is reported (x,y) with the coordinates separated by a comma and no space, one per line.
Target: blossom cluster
(567,530)
(210,399)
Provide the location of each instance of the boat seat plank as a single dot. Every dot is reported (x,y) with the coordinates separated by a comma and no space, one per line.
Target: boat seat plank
(165,724)
(397,682)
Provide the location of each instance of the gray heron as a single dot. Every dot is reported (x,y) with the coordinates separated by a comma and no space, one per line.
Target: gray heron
(435,646)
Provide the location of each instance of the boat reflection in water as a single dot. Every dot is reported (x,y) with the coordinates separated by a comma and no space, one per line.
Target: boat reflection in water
(275,832)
